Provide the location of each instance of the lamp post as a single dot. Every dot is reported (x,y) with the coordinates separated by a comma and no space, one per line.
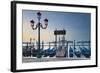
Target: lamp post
(38,26)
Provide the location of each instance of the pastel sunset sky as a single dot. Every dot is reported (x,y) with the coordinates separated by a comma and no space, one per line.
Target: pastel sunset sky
(77,25)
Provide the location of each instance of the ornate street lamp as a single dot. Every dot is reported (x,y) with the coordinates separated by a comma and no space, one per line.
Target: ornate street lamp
(38,25)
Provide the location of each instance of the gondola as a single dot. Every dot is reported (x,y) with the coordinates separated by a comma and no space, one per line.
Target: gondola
(71,52)
(86,52)
(26,51)
(77,52)
(52,52)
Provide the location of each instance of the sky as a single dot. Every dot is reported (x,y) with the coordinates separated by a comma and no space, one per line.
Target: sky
(77,25)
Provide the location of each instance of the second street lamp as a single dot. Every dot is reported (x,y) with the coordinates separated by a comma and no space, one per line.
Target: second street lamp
(38,25)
